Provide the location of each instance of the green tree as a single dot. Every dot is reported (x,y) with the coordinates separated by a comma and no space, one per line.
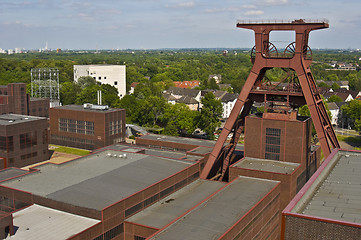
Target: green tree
(130,104)
(150,110)
(90,95)
(86,81)
(179,120)
(334,98)
(335,86)
(211,113)
(69,92)
(332,77)
(323,84)
(353,111)
(212,84)
(354,81)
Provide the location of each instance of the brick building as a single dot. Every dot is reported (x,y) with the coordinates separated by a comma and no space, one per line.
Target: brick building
(86,126)
(14,99)
(278,147)
(23,140)
(328,206)
(133,192)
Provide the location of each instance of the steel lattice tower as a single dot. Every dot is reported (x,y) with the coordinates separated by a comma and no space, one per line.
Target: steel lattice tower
(45,84)
(294,60)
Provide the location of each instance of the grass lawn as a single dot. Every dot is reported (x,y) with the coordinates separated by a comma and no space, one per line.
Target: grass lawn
(353,141)
(75,151)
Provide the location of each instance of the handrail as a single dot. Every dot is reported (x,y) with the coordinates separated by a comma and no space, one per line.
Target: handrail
(280,21)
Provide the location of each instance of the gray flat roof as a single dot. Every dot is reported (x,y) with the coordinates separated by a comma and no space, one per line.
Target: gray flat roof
(171,207)
(38,222)
(215,216)
(153,152)
(81,108)
(192,141)
(335,193)
(10,173)
(267,165)
(97,180)
(11,119)
(202,150)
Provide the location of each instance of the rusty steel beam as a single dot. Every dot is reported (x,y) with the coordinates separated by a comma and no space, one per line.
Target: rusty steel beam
(264,57)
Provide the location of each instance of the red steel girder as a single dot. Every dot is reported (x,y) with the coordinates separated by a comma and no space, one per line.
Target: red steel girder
(299,61)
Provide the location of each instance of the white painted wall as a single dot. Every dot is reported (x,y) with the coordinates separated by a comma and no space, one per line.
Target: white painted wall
(114,75)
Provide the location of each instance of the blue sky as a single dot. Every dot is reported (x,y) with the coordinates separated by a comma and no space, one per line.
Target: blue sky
(150,24)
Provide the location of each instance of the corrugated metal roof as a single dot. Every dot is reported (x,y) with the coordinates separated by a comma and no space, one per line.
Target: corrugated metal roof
(338,195)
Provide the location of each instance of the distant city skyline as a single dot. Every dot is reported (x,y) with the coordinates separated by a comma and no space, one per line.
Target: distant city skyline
(155,24)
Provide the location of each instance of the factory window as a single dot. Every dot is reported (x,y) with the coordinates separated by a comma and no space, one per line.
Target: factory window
(28,140)
(76,126)
(134,209)
(115,83)
(100,78)
(112,233)
(29,155)
(273,141)
(6,144)
(115,127)
(139,237)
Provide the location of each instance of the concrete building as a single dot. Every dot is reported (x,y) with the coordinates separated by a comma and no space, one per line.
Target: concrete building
(113,75)
(23,140)
(328,206)
(14,99)
(86,126)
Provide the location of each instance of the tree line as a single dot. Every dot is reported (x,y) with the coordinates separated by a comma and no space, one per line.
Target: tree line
(156,71)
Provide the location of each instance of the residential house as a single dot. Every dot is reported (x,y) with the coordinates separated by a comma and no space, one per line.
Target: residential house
(228,102)
(334,109)
(345,96)
(132,87)
(217,77)
(187,84)
(190,102)
(342,84)
(180,92)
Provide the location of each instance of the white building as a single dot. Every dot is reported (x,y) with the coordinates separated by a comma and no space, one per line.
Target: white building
(228,102)
(113,75)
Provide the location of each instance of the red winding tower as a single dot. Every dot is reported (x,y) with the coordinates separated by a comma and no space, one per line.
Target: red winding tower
(300,89)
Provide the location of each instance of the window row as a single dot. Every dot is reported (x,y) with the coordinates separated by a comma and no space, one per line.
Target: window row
(76,126)
(29,155)
(72,139)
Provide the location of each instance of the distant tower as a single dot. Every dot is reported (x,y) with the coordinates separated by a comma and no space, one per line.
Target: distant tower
(45,84)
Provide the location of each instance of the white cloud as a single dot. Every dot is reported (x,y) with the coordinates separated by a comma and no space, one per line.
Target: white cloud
(182,5)
(229,9)
(274,2)
(254,13)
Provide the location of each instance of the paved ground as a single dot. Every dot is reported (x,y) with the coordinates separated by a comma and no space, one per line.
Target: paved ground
(56,157)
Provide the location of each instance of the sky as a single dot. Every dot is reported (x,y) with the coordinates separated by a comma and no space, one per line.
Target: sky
(154,24)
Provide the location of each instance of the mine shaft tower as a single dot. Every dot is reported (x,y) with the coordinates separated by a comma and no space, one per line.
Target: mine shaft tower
(301,89)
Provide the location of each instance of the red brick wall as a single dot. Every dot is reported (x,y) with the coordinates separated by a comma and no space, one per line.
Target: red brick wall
(300,228)
(101,137)
(295,138)
(131,230)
